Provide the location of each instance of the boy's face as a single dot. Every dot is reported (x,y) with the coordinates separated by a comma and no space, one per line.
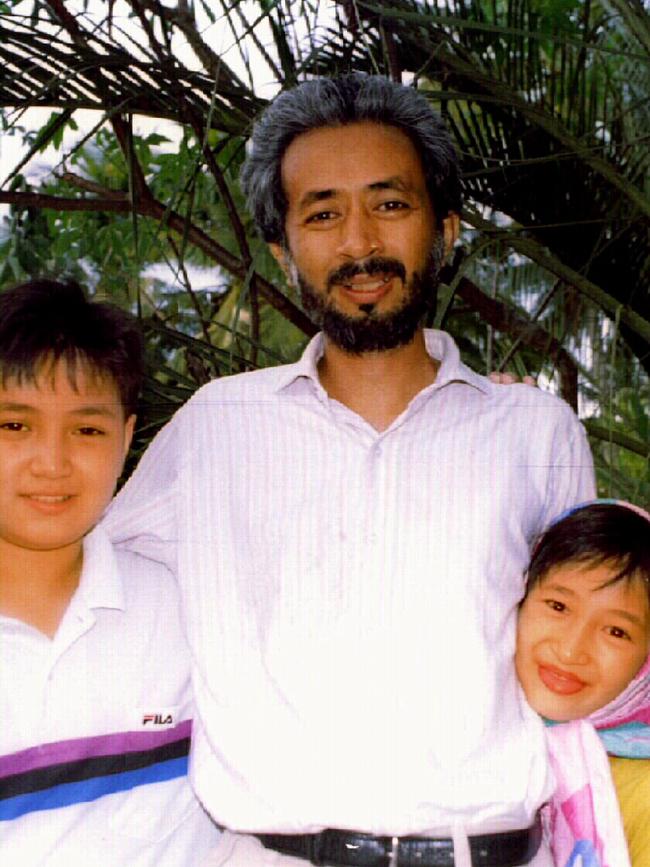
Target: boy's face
(61,451)
(578,643)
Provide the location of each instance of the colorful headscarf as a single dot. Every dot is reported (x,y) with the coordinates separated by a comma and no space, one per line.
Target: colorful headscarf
(624,724)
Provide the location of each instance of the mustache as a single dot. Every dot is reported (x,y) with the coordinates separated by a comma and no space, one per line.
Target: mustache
(378,265)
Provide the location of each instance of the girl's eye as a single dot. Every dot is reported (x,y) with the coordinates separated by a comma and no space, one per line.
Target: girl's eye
(13,426)
(554,605)
(617,632)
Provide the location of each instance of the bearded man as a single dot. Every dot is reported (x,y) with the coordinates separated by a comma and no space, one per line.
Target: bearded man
(350,531)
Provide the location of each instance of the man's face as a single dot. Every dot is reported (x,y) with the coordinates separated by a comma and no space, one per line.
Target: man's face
(361,235)
(579,643)
(62,446)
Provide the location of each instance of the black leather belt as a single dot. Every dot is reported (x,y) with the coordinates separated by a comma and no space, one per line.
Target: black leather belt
(351,849)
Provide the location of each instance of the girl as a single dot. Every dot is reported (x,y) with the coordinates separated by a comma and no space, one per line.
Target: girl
(582,654)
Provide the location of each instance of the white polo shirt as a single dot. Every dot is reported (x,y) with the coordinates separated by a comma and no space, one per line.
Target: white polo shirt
(95,726)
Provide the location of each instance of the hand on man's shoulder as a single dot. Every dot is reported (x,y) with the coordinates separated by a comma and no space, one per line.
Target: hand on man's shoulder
(503,378)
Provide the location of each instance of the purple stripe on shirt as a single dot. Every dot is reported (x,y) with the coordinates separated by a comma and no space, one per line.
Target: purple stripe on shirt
(82,748)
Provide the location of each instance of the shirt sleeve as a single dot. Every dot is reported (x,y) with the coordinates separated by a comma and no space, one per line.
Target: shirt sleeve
(142,517)
(571,480)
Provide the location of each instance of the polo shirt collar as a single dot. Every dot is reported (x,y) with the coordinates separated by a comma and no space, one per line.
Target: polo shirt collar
(100,585)
(439,345)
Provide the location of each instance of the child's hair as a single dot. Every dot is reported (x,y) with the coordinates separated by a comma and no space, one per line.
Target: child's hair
(596,533)
(45,320)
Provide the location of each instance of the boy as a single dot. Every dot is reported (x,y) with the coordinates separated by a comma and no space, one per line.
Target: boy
(94,675)
(583,647)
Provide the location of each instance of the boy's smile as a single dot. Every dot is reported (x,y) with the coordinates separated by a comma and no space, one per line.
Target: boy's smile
(579,643)
(62,445)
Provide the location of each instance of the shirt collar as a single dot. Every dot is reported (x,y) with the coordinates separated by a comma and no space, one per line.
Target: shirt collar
(439,345)
(100,585)
(442,347)
(305,369)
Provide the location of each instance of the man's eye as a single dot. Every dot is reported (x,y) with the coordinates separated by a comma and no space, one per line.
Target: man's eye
(394,205)
(13,426)
(320,217)
(89,431)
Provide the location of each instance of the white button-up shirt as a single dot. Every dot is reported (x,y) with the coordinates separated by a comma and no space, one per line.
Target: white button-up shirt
(351,595)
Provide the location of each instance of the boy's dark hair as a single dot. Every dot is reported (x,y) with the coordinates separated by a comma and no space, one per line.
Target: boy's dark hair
(46,320)
(595,534)
(331,102)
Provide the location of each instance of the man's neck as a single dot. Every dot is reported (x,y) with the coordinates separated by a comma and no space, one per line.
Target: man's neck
(37,586)
(378,386)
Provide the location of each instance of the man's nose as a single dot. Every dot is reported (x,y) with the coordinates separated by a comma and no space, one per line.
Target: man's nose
(51,456)
(359,236)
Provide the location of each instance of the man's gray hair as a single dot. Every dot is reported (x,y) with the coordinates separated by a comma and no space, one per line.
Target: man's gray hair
(331,102)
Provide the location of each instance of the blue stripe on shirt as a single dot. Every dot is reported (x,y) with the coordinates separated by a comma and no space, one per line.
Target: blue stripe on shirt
(91,789)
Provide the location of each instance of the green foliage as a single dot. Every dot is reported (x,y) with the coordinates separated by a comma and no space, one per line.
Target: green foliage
(52,131)
(620,471)
(546,98)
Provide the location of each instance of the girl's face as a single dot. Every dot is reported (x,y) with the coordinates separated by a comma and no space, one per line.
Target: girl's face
(580,643)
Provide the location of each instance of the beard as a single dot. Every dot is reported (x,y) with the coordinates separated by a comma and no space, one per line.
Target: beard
(372,331)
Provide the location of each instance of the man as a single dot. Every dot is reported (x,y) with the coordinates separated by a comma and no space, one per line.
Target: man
(350,531)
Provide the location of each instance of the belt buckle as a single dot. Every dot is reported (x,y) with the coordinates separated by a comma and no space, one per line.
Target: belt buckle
(394,852)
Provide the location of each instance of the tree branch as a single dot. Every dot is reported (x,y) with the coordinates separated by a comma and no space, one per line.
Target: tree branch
(501,92)
(632,444)
(505,319)
(153,208)
(540,254)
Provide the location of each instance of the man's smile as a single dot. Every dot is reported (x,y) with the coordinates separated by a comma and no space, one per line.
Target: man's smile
(360,281)
(367,288)
(366,283)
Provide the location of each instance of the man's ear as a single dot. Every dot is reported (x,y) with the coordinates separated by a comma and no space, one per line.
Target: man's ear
(451,230)
(280,256)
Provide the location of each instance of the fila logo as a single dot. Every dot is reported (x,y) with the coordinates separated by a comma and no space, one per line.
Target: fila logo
(157,719)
